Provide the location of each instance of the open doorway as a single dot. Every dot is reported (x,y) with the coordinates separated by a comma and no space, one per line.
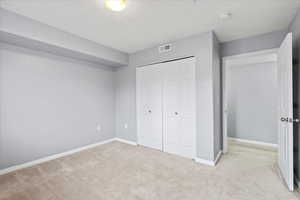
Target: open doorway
(258,103)
(250,99)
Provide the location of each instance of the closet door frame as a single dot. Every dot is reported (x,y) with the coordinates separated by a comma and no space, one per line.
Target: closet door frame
(138,111)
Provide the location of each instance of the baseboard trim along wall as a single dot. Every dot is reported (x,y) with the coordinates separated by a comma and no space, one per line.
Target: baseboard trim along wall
(253,142)
(218,158)
(55,156)
(209,162)
(126,141)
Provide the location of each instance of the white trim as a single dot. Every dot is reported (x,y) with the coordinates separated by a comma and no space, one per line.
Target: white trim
(137,105)
(218,158)
(209,162)
(126,141)
(224,107)
(205,162)
(253,142)
(244,61)
(138,111)
(250,54)
(52,157)
(59,155)
(267,55)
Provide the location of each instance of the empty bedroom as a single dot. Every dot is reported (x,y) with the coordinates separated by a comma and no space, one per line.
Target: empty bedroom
(149,99)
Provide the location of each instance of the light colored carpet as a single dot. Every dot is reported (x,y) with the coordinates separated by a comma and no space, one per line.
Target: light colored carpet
(118,171)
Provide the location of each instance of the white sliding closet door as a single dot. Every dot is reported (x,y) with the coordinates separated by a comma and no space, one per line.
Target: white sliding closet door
(149,106)
(179,107)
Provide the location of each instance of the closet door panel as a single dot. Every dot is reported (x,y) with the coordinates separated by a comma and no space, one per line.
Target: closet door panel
(188,107)
(187,139)
(171,98)
(188,97)
(172,126)
(166,107)
(149,107)
(179,108)
(171,104)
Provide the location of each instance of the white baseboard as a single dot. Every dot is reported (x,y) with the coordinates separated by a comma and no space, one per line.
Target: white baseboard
(253,142)
(55,156)
(126,141)
(209,162)
(205,162)
(218,158)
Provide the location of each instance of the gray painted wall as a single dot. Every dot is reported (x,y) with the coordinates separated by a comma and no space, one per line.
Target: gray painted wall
(126,104)
(252,89)
(255,43)
(217,92)
(50,104)
(200,46)
(295,29)
(33,34)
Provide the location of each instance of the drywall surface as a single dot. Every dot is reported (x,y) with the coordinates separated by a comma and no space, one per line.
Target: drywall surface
(295,29)
(217,92)
(199,46)
(126,104)
(30,33)
(252,89)
(255,43)
(50,104)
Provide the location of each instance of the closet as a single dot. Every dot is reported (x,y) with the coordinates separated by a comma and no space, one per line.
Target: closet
(166,111)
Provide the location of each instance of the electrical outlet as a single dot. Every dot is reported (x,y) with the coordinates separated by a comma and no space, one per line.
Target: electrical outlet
(126,126)
(99,128)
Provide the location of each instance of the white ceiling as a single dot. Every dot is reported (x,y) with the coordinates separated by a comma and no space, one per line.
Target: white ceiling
(145,23)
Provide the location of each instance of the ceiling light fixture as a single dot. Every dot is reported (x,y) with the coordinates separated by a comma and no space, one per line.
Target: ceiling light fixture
(116,5)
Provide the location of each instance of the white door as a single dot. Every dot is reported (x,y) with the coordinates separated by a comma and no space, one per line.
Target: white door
(149,106)
(285,88)
(179,107)
(171,109)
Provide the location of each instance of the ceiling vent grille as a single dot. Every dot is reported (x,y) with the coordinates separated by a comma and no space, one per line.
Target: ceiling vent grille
(165,48)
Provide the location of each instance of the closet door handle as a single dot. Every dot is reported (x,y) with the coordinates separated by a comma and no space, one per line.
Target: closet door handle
(149,111)
(176,113)
(284,119)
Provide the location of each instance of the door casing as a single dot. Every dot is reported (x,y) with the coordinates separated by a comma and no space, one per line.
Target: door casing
(269,55)
(138,106)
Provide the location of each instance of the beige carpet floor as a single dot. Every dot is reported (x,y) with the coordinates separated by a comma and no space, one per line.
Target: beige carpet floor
(118,171)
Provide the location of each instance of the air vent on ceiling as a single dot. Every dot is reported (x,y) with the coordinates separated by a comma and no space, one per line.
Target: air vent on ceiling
(165,48)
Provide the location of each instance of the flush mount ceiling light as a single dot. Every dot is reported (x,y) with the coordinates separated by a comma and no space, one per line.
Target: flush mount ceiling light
(116,5)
